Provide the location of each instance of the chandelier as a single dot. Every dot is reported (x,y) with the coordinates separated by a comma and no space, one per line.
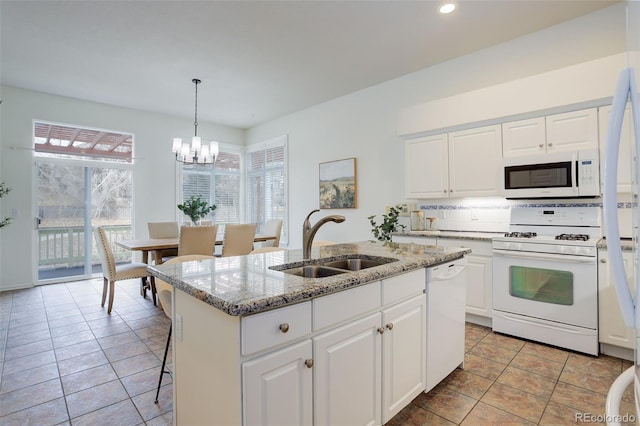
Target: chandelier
(195,152)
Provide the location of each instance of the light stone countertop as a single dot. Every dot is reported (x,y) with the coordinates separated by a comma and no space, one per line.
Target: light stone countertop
(244,285)
(461,235)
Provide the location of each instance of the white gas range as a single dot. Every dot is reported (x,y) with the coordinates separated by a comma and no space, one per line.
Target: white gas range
(545,276)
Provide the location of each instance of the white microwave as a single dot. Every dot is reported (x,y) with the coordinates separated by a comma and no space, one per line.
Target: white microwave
(554,175)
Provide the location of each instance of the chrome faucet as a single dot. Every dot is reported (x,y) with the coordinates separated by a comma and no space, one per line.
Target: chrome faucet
(308,231)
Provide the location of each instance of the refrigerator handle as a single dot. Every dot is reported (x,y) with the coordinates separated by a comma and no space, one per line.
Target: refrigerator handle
(610,202)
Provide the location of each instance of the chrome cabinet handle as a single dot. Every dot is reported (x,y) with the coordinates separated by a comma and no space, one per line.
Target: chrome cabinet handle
(284,327)
(380,330)
(541,145)
(603,260)
(389,326)
(549,144)
(309,363)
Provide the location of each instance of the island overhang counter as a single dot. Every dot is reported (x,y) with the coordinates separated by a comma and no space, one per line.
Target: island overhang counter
(246,335)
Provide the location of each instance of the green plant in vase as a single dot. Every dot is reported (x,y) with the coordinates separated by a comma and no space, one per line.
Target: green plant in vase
(390,223)
(196,208)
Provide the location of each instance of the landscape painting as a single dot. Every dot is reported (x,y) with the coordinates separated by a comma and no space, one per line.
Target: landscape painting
(338,184)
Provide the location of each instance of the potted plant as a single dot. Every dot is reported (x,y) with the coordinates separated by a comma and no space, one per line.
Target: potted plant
(196,208)
(390,224)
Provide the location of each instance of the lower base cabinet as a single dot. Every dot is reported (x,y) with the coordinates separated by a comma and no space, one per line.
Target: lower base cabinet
(369,370)
(612,328)
(277,388)
(357,370)
(347,363)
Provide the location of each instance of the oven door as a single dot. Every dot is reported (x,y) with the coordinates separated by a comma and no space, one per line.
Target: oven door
(560,288)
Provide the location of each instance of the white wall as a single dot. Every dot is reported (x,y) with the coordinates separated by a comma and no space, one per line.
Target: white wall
(153,174)
(363,124)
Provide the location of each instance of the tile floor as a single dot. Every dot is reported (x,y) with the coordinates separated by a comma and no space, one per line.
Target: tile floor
(63,360)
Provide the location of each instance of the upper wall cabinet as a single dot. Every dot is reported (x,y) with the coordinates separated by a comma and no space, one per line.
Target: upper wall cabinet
(427,167)
(570,131)
(625,155)
(458,164)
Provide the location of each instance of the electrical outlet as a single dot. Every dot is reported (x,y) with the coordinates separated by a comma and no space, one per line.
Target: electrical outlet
(178,327)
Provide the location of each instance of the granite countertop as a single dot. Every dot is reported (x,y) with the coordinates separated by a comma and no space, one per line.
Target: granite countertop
(461,235)
(243,285)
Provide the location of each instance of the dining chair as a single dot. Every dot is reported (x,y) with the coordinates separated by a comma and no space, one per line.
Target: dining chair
(112,272)
(164,298)
(266,250)
(238,239)
(272,227)
(164,230)
(197,240)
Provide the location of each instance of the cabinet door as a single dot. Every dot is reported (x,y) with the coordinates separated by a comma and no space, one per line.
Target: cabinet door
(524,137)
(612,327)
(404,355)
(626,154)
(347,376)
(277,388)
(572,131)
(426,167)
(475,157)
(479,275)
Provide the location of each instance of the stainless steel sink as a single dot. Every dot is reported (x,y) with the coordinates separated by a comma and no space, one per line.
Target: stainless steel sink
(314,271)
(320,268)
(356,264)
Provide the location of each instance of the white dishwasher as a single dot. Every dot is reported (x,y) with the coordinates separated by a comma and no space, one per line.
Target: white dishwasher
(446,294)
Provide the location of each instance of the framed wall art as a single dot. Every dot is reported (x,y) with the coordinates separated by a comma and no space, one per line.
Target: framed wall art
(338,184)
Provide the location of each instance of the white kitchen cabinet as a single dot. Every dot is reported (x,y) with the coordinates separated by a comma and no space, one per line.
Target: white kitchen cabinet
(348,371)
(625,157)
(368,370)
(426,167)
(479,275)
(404,354)
(524,137)
(612,329)
(458,164)
(474,162)
(572,131)
(362,360)
(277,388)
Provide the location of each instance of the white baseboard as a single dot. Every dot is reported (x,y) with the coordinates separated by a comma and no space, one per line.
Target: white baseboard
(477,319)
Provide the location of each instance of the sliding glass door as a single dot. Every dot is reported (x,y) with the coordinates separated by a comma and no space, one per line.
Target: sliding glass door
(72,198)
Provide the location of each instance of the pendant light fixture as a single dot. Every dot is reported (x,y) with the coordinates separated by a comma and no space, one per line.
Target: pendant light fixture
(195,152)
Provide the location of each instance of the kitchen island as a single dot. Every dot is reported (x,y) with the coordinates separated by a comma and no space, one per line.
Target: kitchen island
(256,345)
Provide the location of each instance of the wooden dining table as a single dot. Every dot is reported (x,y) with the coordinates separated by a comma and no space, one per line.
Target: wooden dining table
(156,245)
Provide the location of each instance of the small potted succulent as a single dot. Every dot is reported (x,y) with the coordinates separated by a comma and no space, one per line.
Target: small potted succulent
(196,208)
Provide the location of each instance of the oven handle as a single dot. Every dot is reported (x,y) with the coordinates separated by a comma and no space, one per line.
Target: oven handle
(545,256)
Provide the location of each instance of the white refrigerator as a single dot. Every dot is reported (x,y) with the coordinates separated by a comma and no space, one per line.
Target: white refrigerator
(625,97)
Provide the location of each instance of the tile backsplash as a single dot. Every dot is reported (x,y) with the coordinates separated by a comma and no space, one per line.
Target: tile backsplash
(492,214)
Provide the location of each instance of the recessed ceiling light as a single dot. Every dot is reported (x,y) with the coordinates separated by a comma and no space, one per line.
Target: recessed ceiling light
(447,8)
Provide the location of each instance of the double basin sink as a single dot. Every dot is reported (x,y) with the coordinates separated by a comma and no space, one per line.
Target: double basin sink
(320,268)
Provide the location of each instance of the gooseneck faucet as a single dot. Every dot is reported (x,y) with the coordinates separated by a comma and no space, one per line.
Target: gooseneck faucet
(308,231)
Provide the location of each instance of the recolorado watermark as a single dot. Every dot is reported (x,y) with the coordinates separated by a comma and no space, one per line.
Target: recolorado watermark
(605,418)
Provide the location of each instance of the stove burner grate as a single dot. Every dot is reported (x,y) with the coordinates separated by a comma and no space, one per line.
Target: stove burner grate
(520,234)
(573,237)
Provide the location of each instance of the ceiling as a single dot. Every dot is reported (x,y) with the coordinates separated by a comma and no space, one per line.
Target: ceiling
(258,60)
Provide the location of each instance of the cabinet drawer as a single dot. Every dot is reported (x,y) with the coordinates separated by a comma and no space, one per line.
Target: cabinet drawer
(273,328)
(402,286)
(338,307)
